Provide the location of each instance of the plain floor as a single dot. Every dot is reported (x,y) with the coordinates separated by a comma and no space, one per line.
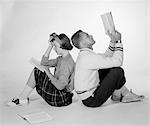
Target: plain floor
(110,114)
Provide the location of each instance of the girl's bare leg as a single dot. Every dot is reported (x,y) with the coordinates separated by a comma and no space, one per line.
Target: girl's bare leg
(30,85)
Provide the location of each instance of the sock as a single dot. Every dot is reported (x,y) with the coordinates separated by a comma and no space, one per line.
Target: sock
(117,93)
(123,90)
(26,92)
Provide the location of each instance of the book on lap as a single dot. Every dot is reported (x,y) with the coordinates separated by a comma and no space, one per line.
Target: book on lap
(37,64)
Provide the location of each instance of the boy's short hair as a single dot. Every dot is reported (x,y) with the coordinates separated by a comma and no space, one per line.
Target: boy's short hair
(65,42)
(76,37)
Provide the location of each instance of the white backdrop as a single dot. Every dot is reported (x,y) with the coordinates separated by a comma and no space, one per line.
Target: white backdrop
(25,27)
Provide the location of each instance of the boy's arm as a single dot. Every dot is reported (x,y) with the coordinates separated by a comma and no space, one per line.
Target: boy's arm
(110,50)
(115,37)
(97,61)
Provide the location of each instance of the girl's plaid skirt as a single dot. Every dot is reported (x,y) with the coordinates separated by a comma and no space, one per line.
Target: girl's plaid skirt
(49,92)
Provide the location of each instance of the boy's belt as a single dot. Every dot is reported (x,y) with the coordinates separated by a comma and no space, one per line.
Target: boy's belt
(81,92)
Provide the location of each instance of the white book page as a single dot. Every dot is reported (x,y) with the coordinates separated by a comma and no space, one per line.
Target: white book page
(105,23)
(111,22)
(36,63)
(36,117)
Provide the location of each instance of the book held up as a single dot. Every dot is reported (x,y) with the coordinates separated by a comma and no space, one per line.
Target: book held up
(108,22)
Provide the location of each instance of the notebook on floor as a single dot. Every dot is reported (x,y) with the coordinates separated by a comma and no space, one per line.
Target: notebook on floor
(36,117)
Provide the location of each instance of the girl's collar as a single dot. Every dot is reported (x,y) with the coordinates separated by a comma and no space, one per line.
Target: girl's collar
(86,49)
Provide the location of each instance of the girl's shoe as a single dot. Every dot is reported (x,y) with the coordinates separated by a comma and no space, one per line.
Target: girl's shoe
(19,102)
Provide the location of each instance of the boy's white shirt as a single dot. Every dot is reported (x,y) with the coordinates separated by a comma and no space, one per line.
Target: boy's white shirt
(87,65)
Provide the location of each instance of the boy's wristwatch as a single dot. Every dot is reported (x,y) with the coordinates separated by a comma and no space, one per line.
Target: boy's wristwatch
(119,41)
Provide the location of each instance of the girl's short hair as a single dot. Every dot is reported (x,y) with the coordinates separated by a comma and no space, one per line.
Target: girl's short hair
(76,39)
(65,42)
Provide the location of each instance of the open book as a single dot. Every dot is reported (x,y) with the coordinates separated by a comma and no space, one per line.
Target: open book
(37,64)
(36,117)
(108,22)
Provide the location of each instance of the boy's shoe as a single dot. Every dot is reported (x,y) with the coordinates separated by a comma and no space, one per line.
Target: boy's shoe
(129,97)
(19,102)
(132,97)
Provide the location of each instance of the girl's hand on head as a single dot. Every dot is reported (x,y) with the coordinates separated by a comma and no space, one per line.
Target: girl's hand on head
(52,37)
(57,39)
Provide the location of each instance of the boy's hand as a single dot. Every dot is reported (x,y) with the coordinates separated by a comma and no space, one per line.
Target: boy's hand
(115,36)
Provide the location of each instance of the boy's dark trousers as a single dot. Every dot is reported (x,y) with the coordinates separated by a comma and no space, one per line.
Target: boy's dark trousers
(110,80)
